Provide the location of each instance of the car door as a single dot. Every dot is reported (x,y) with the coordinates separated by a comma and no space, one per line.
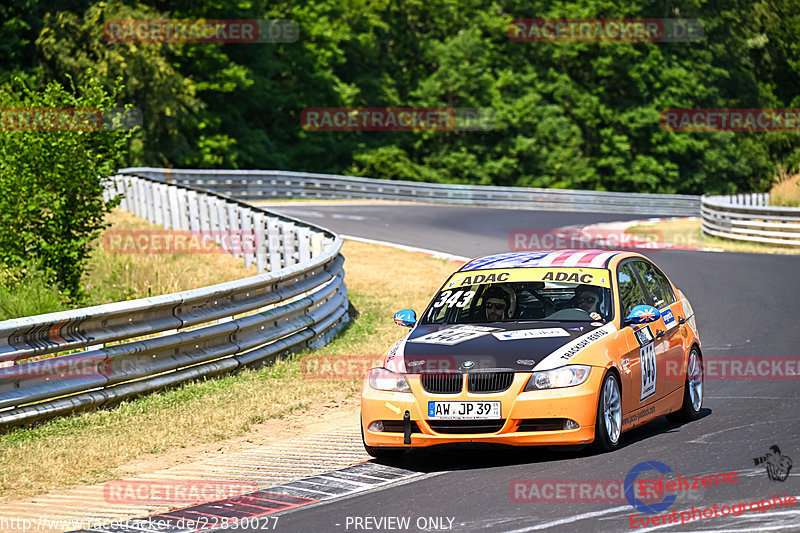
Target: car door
(640,362)
(669,342)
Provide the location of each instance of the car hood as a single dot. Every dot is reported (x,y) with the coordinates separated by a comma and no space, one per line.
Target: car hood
(519,346)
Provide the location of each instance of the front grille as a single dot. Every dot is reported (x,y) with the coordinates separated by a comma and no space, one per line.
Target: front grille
(489,381)
(396,426)
(466,426)
(541,424)
(442,382)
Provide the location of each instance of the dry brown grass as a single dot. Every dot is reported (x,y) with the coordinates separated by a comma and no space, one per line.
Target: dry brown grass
(90,448)
(786,192)
(113,276)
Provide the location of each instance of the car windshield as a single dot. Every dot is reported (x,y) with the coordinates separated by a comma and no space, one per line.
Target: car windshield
(462,301)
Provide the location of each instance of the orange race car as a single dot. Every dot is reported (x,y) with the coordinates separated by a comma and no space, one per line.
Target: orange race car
(560,347)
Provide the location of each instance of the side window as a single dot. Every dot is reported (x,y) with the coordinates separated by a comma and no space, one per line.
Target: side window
(630,293)
(655,283)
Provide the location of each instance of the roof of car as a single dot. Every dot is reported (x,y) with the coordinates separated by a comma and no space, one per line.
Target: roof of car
(543,258)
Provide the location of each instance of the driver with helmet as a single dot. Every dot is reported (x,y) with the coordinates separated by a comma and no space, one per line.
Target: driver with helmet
(587,297)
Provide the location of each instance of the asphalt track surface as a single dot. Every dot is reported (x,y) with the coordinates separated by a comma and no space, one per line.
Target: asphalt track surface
(746,305)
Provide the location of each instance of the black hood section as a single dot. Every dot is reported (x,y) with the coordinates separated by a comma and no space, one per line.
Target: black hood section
(466,348)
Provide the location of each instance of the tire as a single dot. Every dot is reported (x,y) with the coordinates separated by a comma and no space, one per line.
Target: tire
(608,423)
(381,454)
(692,390)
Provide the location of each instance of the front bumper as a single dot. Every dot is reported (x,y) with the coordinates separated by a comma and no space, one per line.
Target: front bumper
(575,403)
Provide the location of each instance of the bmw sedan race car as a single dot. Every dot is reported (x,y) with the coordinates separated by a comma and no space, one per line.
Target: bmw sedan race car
(567,347)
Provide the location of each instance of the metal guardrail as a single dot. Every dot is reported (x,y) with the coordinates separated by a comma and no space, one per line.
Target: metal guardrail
(748,217)
(298,301)
(255,185)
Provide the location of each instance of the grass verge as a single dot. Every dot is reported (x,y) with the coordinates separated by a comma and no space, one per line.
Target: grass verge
(689,233)
(112,276)
(786,192)
(89,448)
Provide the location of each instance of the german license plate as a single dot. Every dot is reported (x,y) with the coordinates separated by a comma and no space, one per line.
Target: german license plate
(464,410)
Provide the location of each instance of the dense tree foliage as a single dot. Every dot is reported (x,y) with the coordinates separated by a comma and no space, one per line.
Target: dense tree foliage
(568,114)
(54,159)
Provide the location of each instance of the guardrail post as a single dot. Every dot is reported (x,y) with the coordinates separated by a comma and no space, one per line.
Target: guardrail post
(304,244)
(194,211)
(184,214)
(247,227)
(158,203)
(233,227)
(316,244)
(213,211)
(289,244)
(202,207)
(260,229)
(174,208)
(274,245)
(149,204)
(136,195)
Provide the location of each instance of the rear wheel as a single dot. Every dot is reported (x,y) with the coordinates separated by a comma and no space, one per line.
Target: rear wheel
(608,425)
(692,390)
(381,453)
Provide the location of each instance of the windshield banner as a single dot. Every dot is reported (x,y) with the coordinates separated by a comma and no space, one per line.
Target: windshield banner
(599,277)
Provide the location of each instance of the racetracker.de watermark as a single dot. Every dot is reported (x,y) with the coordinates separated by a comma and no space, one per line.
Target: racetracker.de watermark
(573,491)
(606,30)
(182,491)
(181,242)
(73,366)
(522,240)
(736,120)
(68,119)
(356,366)
(397,119)
(200,31)
(742,367)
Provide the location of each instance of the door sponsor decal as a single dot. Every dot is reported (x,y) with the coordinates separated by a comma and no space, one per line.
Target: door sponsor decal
(530,334)
(563,355)
(669,319)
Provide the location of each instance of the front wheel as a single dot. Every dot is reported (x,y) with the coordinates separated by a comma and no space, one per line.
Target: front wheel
(692,391)
(608,425)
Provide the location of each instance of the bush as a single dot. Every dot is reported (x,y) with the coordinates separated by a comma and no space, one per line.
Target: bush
(51,182)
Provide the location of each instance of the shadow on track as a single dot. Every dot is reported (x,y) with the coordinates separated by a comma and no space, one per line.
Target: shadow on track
(448,457)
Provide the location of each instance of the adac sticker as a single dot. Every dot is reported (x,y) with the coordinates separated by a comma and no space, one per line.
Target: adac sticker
(540,333)
(587,276)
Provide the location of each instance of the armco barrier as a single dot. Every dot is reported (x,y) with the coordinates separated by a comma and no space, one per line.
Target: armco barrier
(747,217)
(254,185)
(298,300)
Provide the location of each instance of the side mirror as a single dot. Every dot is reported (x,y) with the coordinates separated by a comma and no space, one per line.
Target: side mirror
(642,314)
(406,318)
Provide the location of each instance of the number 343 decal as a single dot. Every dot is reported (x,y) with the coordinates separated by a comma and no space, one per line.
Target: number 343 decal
(647,358)
(449,298)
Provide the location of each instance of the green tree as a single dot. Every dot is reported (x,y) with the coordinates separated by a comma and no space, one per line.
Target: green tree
(52,175)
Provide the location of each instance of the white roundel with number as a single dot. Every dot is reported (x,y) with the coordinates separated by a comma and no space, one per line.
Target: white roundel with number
(647,357)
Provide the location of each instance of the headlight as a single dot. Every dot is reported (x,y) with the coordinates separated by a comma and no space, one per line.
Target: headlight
(565,376)
(382,379)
